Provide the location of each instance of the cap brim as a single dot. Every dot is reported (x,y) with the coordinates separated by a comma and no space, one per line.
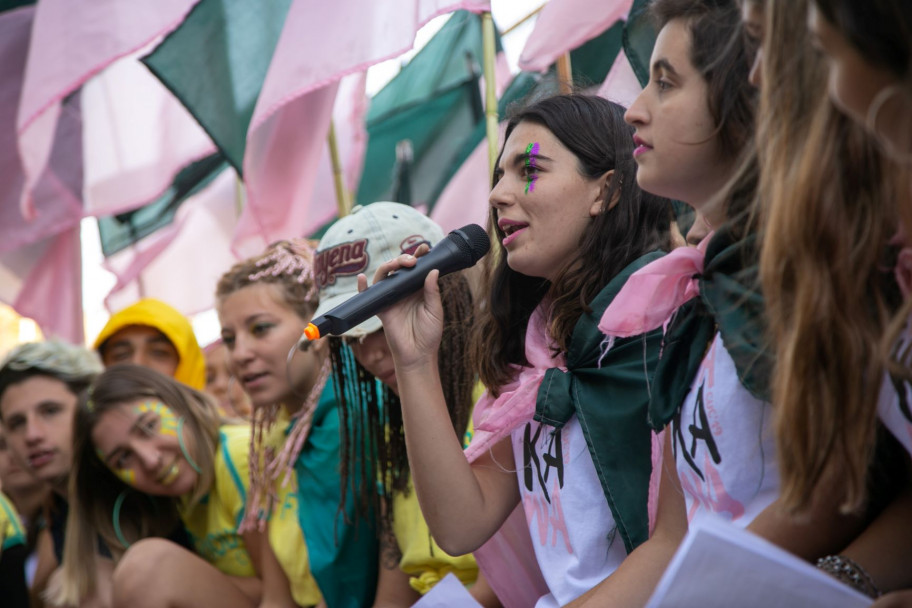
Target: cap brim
(359,331)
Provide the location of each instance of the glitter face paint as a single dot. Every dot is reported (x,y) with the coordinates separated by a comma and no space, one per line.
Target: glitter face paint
(532,151)
(128,476)
(169,421)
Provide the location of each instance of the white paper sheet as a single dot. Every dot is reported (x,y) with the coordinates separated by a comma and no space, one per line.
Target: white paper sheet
(720,565)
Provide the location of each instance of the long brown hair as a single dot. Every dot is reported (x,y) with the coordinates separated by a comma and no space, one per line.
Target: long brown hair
(94,489)
(593,129)
(827,217)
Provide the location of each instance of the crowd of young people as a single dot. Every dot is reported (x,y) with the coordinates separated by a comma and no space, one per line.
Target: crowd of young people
(547,431)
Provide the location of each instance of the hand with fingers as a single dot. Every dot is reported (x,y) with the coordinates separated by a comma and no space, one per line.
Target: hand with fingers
(414,325)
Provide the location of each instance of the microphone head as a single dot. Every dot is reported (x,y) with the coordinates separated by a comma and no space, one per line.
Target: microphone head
(473,241)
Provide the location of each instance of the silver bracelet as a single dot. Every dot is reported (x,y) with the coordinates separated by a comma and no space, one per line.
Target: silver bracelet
(849,572)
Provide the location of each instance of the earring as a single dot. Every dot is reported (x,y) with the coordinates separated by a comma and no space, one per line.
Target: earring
(871,123)
(115,516)
(877,103)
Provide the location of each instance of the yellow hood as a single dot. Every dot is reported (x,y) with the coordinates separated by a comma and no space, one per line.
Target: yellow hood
(191,369)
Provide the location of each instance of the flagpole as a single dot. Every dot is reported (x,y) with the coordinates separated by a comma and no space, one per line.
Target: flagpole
(238,196)
(342,201)
(523,20)
(489,49)
(565,74)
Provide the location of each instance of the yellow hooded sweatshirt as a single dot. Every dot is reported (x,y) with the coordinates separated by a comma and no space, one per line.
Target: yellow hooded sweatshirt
(191,368)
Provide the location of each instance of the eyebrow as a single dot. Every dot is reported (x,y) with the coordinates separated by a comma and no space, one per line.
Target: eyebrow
(251,318)
(133,427)
(663,64)
(159,339)
(522,157)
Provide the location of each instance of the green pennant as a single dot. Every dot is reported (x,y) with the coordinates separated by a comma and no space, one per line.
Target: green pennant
(638,39)
(434,103)
(215,64)
(117,232)
(592,61)
(8,5)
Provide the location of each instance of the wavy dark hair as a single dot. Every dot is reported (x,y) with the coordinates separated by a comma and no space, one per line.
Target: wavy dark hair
(593,129)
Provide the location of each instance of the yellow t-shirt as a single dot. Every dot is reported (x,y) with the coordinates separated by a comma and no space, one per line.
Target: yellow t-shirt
(285,535)
(11,530)
(213,523)
(424,561)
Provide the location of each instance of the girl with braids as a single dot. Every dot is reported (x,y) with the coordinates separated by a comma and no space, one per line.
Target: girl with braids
(411,562)
(264,303)
(152,455)
(561,434)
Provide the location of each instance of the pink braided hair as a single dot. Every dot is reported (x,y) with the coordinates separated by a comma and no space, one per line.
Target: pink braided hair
(295,260)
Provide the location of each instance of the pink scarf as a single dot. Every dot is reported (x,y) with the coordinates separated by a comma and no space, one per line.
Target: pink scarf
(496,418)
(648,300)
(653,293)
(508,558)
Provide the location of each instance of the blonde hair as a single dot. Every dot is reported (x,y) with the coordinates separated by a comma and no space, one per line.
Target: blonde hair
(94,490)
(825,204)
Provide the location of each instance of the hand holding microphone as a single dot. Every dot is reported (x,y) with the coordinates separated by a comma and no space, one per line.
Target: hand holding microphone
(461,249)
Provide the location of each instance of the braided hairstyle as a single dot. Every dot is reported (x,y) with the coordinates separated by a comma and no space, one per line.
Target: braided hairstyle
(287,265)
(373,439)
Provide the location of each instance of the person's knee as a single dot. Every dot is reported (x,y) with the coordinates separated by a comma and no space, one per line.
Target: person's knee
(138,575)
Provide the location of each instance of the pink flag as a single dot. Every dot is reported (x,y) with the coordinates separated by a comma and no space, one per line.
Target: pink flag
(39,260)
(564,25)
(71,41)
(320,43)
(137,135)
(58,188)
(465,198)
(349,114)
(280,169)
(621,85)
(182,262)
(43,281)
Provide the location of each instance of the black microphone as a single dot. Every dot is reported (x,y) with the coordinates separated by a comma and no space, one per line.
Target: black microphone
(460,249)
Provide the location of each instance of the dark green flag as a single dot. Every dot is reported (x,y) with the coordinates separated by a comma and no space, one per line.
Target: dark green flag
(215,64)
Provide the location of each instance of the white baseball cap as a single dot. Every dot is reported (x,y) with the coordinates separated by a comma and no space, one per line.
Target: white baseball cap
(359,243)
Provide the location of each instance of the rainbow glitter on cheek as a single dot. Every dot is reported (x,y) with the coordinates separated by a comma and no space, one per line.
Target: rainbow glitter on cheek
(128,476)
(169,422)
(531,154)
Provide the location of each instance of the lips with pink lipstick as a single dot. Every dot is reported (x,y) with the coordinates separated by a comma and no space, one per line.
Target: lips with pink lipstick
(641,146)
(511,229)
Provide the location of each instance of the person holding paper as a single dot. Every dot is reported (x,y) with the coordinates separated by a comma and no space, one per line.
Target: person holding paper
(711,387)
